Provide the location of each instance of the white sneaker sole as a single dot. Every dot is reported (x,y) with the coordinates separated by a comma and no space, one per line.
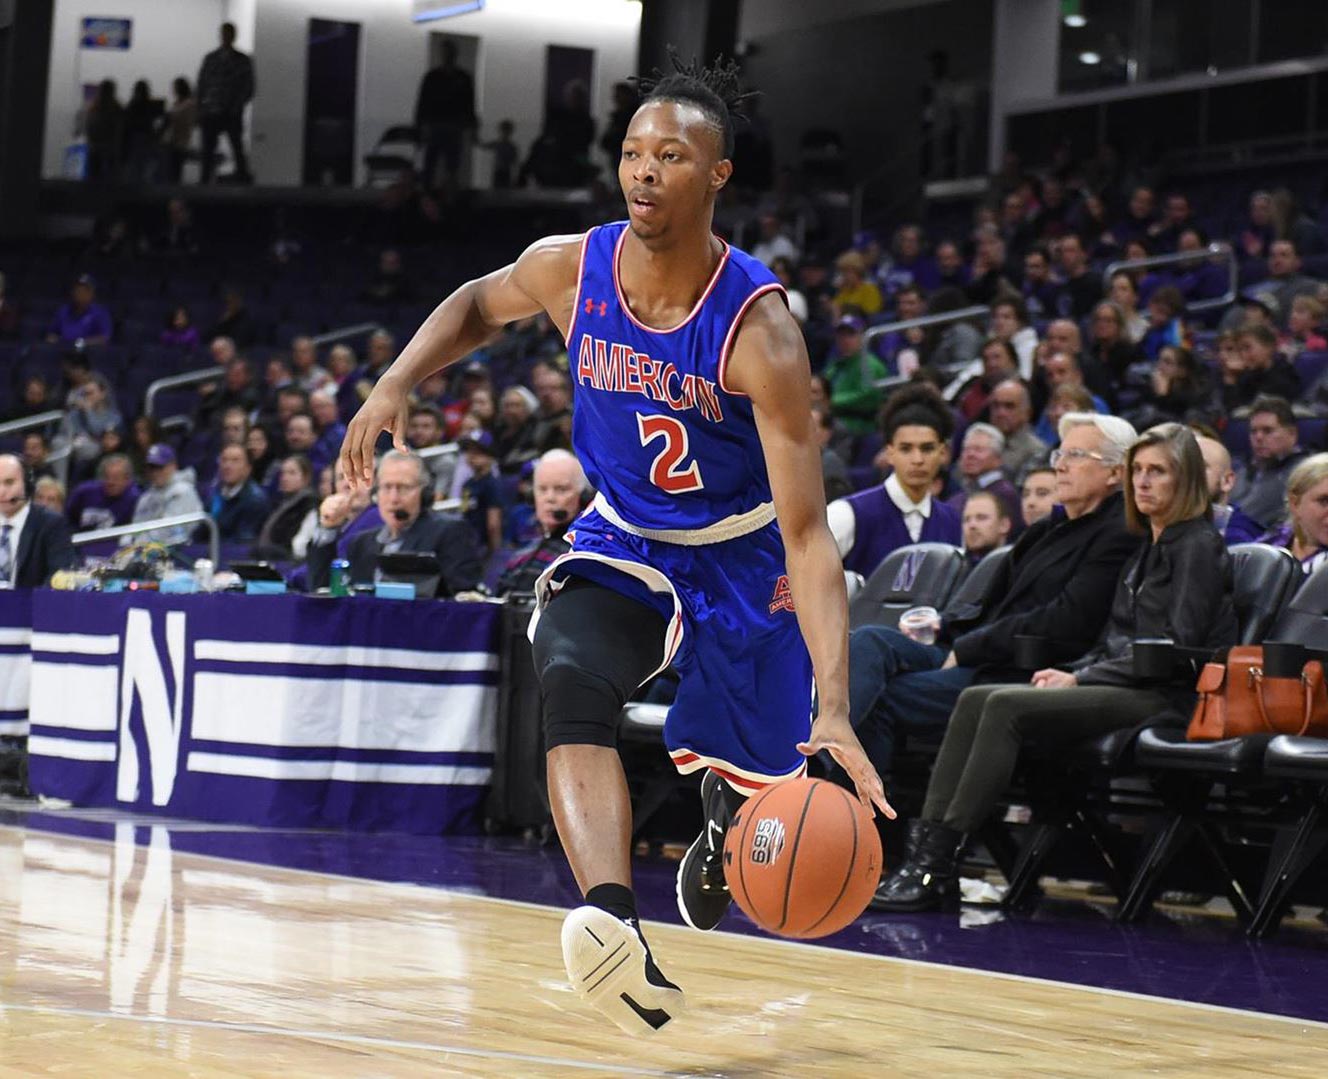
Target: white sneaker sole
(606,964)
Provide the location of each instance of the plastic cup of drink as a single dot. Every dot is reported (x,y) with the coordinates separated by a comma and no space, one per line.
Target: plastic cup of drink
(920,624)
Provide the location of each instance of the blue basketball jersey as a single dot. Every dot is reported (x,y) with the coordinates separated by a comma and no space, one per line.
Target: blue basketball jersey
(658,434)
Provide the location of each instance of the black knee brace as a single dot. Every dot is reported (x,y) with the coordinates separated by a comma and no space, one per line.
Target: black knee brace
(580,706)
(592,648)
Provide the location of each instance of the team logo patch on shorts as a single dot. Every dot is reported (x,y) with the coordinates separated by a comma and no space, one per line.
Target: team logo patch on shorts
(768,841)
(782,600)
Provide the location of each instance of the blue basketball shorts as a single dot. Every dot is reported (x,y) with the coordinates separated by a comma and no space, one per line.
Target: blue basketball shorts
(745,691)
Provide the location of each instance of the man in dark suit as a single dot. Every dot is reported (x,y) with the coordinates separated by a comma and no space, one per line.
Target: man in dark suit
(1057,584)
(402,481)
(34,542)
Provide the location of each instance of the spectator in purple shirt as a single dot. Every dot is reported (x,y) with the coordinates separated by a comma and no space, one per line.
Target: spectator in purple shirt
(180,331)
(106,501)
(323,406)
(81,320)
(1203,279)
(1139,217)
(907,264)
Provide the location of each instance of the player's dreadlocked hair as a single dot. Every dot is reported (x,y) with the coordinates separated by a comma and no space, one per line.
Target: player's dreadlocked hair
(714,90)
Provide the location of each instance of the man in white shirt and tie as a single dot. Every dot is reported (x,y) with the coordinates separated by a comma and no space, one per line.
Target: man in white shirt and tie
(34,542)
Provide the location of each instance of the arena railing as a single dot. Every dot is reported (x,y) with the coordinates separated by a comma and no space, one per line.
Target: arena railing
(30,423)
(138,528)
(921,323)
(59,455)
(1213,250)
(178,382)
(341,333)
(212,374)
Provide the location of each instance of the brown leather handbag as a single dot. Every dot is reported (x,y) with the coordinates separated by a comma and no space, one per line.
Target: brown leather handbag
(1237,698)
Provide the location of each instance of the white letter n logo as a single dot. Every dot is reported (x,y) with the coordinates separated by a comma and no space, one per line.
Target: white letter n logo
(141,671)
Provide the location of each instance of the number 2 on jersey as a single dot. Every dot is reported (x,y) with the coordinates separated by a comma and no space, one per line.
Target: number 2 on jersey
(665,472)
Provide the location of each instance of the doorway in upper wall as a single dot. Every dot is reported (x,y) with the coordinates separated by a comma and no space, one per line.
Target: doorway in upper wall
(331,92)
(564,156)
(450,143)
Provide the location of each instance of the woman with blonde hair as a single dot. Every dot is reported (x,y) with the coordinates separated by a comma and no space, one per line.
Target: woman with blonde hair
(50,492)
(1177,586)
(1305,532)
(854,288)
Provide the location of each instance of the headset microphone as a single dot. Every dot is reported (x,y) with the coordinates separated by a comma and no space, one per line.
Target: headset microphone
(401,515)
(561,516)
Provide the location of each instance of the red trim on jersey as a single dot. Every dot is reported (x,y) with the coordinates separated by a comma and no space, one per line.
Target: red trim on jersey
(732,335)
(686,762)
(622,300)
(576,303)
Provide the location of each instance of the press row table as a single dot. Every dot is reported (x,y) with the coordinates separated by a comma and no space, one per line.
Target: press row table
(288,711)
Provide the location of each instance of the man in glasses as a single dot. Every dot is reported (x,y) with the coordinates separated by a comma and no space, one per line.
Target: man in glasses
(1057,585)
(408,525)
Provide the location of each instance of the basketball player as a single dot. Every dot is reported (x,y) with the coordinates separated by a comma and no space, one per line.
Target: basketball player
(707,546)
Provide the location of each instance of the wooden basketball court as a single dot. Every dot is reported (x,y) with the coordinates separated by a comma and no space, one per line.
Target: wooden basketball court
(119,959)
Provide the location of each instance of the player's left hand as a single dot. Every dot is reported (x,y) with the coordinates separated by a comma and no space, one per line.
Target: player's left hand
(835,734)
(1054,679)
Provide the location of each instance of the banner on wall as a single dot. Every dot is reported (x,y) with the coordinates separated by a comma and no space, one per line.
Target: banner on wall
(99,33)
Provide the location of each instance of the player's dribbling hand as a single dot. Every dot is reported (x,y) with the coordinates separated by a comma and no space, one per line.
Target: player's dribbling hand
(836,735)
(385,409)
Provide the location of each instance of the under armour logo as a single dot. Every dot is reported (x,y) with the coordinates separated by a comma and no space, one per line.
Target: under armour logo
(591,305)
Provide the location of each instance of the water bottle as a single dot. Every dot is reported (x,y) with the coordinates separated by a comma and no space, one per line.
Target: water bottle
(203,570)
(340,577)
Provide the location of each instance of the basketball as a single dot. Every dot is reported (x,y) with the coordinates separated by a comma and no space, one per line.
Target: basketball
(802,858)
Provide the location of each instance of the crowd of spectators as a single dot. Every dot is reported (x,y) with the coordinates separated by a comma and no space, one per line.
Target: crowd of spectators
(1055,409)
(915,421)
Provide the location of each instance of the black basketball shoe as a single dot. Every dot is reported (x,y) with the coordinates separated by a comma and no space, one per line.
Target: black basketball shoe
(703,893)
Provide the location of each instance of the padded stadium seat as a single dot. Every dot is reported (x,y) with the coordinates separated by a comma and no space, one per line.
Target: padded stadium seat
(861,478)
(1166,747)
(1310,432)
(973,589)
(45,360)
(1304,763)
(1168,754)
(1298,758)
(853,583)
(1264,580)
(866,448)
(1236,438)
(924,574)
(1305,618)
(1112,752)
(643,722)
(643,725)
(1309,366)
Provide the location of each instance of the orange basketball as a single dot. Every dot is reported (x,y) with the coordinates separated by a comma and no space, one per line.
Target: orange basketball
(802,858)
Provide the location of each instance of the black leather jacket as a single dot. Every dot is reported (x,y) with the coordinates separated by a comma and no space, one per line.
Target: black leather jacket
(1178,588)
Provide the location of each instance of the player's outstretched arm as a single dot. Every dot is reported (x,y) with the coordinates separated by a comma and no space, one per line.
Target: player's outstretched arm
(769,364)
(542,279)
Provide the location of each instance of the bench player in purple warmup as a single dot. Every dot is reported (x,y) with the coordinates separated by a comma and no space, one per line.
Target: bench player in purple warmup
(707,545)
